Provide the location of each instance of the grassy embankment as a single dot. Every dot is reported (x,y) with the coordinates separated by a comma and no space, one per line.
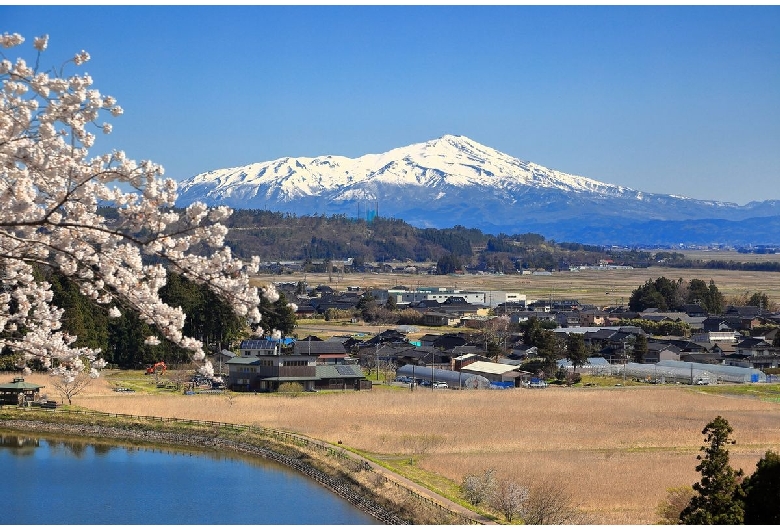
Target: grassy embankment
(616,450)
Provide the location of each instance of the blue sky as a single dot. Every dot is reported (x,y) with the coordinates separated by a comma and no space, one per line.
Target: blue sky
(666,99)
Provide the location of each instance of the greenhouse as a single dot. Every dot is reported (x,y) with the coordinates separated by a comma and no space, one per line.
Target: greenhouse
(721,372)
(453,379)
(686,372)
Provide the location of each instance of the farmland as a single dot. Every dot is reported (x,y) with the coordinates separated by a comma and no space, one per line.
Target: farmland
(596,287)
(615,449)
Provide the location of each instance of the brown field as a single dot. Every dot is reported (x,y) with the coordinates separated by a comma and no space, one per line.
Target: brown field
(617,450)
(600,288)
(729,255)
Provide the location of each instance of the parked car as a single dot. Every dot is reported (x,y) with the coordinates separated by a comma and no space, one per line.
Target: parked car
(440,384)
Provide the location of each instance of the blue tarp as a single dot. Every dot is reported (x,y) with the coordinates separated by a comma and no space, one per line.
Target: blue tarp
(502,384)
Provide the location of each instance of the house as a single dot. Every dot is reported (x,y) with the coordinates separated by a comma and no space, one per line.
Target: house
(305,310)
(19,392)
(494,372)
(448,341)
(317,348)
(258,347)
(566,319)
(715,336)
(661,351)
(592,317)
(440,319)
(371,355)
(265,371)
(694,310)
(221,358)
(326,352)
(755,347)
(425,356)
(724,348)
(429,338)
(388,336)
(464,360)
(524,316)
(340,377)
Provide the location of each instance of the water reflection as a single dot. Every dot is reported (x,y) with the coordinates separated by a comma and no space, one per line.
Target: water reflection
(19,445)
(135,484)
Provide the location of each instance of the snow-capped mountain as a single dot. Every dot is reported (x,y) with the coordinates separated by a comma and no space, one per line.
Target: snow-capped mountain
(450,181)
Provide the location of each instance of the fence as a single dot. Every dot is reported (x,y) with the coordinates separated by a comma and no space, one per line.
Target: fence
(326,480)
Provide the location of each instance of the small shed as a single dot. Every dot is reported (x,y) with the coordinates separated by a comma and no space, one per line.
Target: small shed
(18,392)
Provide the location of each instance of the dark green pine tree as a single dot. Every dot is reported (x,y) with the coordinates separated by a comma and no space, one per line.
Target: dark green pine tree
(762,491)
(576,350)
(277,315)
(640,348)
(718,498)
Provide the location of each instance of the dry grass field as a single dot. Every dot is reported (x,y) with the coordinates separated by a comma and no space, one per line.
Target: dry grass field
(616,450)
(600,288)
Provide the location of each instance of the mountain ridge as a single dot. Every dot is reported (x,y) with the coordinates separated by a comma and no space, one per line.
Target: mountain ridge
(452,180)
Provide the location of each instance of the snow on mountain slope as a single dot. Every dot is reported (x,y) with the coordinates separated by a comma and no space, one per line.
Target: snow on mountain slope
(448,161)
(447,181)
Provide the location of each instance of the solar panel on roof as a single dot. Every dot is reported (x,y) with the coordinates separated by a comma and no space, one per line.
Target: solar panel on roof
(344,370)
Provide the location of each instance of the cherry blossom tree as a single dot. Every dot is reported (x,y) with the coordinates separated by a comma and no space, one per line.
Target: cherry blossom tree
(105,221)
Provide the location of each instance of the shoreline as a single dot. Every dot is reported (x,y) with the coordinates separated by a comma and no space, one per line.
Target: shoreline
(373,491)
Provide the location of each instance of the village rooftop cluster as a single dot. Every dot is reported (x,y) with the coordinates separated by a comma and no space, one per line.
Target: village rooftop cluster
(721,348)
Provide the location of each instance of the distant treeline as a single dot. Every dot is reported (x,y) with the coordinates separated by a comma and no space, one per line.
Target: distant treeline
(277,236)
(768,266)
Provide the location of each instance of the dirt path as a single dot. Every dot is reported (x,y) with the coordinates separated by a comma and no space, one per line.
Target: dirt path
(413,486)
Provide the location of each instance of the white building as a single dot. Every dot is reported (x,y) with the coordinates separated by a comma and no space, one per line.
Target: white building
(442,294)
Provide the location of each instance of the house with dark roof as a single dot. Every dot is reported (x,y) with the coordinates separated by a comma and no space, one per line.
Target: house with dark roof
(318,347)
(425,356)
(436,318)
(258,347)
(661,351)
(428,339)
(340,377)
(448,341)
(262,366)
(694,310)
(19,392)
(755,347)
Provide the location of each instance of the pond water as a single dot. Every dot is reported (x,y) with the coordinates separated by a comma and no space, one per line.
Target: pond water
(60,481)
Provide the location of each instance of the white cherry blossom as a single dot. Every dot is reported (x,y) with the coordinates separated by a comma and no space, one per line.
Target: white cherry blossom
(50,191)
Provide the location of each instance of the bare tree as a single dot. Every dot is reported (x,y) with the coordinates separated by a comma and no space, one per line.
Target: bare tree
(70,386)
(676,500)
(508,498)
(422,444)
(549,502)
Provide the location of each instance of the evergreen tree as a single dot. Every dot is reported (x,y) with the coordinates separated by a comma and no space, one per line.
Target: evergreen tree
(447,264)
(576,351)
(278,315)
(718,497)
(715,300)
(640,348)
(760,300)
(762,491)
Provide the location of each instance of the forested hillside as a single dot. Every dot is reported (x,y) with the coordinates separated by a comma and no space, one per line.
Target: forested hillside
(277,236)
